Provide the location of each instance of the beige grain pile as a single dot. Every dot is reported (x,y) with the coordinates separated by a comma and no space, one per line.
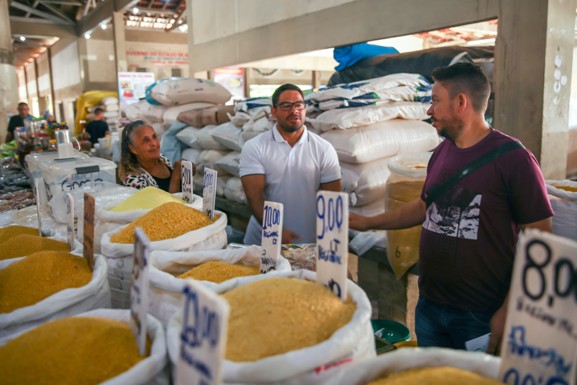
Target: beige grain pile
(218,271)
(25,244)
(164,222)
(443,375)
(40,275)
(291,313)
(147,198)
(11,231)
(69,351)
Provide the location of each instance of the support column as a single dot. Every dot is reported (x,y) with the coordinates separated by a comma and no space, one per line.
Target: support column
(119,39)
(8,79)
(532,95)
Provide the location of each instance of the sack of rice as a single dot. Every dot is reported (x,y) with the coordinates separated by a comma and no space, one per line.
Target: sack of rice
(166,267)
(308,336)
(48,285)
(172,226)
(89,348)
(423,366)
(177,91)
(563,197)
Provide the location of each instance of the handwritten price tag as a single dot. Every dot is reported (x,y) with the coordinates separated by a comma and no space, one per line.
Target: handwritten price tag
(271,235)
(37,183)
(186,171)
(139,289)
(209,192)
(70,225)
(333,241)
(540,340)
(203,336)
(88,239)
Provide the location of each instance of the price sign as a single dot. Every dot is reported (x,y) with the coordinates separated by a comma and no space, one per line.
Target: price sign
(186,170)
(271,235)
(88,238)
(333,241)
(540,339)
(139,289)
(209,192)
(70,225)
(37,183)
(203,336)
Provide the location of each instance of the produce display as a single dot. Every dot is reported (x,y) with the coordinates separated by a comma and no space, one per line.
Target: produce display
(217,272)
(25,244)
(443,375)
(297,314)
(164,222)
(71,350)
(8,232)
(40,275)
(147,198)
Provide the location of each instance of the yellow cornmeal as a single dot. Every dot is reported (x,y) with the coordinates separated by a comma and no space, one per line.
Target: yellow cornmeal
(40,275)
(277,315)
(217,271)
(165,222)
(443,375)
(8,232)
(566,188)
(147,198)
(69,351)
(26,244)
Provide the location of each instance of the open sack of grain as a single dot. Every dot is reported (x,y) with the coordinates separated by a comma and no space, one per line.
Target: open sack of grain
(19,241)
(308,334)
(563,197)
(411,365)
(172,226)
(95,347)
(211,267)
(48,285)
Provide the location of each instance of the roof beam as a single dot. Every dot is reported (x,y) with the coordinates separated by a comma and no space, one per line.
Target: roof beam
(56,11)
(101,13)
(63,2)
(36,12)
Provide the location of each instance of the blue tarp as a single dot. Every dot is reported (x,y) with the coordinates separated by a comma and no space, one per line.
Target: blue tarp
(348,55)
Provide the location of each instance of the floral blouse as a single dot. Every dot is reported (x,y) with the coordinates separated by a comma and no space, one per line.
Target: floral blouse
(144,179)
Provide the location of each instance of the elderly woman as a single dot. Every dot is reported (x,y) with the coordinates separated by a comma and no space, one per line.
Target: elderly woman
(142,164)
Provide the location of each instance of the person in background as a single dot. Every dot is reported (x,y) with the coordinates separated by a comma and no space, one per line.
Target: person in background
(97,128)
(288,164)
(469,232)
(18,120)
(142,164)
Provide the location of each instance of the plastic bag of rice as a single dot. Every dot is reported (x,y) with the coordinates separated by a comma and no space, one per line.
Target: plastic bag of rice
(430,366)
(90,348)
(165,294)
(309,354)
(40,272)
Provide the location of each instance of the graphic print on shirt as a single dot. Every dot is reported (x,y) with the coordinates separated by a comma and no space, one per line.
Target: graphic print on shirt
(455,215)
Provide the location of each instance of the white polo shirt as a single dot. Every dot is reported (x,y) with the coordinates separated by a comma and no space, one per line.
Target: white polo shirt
(293,176)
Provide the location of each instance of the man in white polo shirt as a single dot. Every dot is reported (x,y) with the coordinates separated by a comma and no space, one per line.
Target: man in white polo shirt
(288,164)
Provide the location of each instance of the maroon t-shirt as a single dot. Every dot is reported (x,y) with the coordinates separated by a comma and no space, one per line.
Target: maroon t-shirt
(469,235)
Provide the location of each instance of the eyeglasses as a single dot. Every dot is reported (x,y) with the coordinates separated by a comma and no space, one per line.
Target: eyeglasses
(288,106)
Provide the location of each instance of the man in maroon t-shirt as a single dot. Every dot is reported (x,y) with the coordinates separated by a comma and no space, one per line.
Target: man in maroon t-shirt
(470,230)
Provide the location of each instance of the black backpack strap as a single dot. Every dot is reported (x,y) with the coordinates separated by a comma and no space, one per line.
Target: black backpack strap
(437,191)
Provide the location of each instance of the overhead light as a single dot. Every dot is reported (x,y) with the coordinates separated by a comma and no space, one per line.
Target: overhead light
(87,35)
(22,38)
(103,25)
(183,27)
(135,10)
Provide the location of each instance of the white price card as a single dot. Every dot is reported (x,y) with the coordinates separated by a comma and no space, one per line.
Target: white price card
(37,183)
(539,344)
(186,171)
(209,192)
(139,289)
(70,225)
(271,235)
(333,241)
(88,230)
(203,336)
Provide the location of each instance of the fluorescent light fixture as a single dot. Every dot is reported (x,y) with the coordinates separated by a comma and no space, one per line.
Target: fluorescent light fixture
(103,25)
(22,38)
(135,10)
(183,27)
(87,36)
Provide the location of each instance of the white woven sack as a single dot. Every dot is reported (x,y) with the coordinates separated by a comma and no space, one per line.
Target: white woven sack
(119,256)
(209,158)
(385,139)
(165,294)
(132,110)
(229,135)
(109,100)
(411,358)
(192,155)
(312,365)
(564,205)
(229,163)
(233,190)
(345,118)
(221,181)
(177,91)
(374,208)
(150,112)
(171,113)
(365,182)
(256,126)
(94,295)
(112,107)
(111,114)
(188,136)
